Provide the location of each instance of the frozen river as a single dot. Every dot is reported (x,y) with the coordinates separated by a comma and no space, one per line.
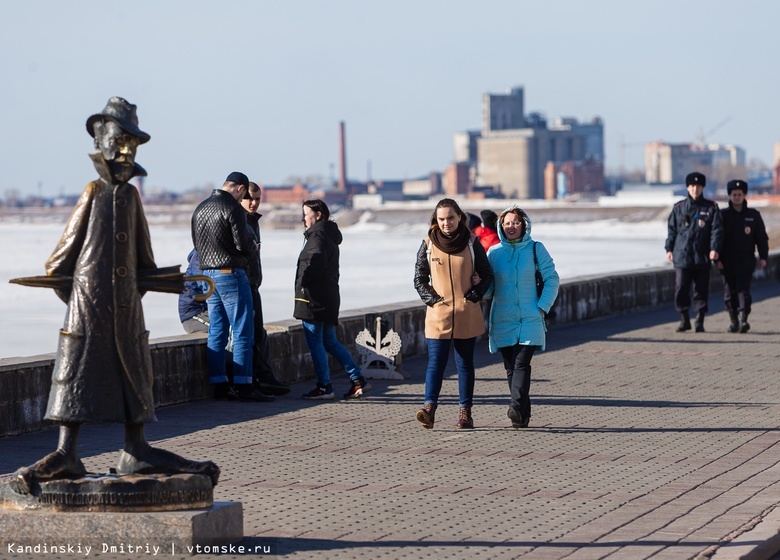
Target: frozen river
(377,265)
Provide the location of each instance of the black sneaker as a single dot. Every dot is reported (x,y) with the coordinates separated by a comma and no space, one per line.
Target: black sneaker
(247,393)
(359,387)
(268,384)
(225,392)
(320,393)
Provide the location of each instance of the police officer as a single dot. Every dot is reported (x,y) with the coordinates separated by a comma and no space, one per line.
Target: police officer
(695,235)
(744,231)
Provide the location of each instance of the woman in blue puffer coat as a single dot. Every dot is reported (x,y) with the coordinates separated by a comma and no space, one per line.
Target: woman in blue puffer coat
(517,326)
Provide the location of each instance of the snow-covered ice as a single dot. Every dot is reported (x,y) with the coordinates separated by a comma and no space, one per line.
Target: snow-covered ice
(377,264)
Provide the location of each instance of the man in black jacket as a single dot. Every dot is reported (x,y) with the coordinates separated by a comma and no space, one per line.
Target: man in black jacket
(695,234)
(265,381)
(744,231)
(225,245)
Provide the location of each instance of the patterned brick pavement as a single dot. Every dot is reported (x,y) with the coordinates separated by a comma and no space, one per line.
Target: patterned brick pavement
(644,443)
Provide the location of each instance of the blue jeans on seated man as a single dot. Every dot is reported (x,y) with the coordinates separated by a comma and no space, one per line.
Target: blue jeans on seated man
(438,355)
(321,340)
(230,306)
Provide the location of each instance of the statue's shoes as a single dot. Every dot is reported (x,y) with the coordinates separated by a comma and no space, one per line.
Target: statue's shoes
(55,465)
(160,461)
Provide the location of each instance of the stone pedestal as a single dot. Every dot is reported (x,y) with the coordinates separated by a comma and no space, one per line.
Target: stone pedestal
(112,492)
(136,515)
(135,534)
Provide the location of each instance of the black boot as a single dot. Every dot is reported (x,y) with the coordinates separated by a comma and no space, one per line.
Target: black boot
(685,322)
(700,322)
(744,326)
(734,326)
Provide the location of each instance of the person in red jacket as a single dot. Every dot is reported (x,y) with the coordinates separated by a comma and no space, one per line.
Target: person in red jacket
(487,233)
(488,236)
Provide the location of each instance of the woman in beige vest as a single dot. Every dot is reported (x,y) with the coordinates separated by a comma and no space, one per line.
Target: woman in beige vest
(452,273)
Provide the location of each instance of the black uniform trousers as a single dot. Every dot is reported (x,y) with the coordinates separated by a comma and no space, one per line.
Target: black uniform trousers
(736,289)
(691,289)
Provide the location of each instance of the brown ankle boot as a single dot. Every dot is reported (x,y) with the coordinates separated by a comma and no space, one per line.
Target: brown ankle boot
(465,421)
(427,415)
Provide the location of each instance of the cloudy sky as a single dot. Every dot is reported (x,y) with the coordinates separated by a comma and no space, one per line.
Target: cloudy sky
(260,86)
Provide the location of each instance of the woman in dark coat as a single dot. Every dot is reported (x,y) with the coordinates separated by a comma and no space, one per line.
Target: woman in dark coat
(317,301)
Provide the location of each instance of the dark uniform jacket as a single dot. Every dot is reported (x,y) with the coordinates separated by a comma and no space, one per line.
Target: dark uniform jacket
(103,369)
(743,232)
(317,295)
(694,229)
(220,232)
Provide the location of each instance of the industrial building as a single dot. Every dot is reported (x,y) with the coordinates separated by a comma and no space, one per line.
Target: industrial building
(510,155)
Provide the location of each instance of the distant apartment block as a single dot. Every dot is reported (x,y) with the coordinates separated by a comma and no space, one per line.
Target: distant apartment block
(670,163)
(513,149)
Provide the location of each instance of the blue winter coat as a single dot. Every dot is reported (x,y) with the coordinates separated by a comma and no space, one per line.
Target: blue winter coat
(516,316)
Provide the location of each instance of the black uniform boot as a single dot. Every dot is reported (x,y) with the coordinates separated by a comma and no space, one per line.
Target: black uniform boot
(685,322)
(700,322)
(734,326)
(744,326)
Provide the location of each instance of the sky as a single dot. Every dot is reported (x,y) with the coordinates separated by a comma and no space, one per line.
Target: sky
(260,86)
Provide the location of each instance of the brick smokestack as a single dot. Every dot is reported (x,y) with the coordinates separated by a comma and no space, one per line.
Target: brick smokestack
(342,157)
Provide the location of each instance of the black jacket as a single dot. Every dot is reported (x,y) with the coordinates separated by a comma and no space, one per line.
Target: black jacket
(220,232)
(694,229)
(317,295)
(743,232)
(254,269)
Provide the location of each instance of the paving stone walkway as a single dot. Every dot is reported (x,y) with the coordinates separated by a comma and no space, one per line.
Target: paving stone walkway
(644,443)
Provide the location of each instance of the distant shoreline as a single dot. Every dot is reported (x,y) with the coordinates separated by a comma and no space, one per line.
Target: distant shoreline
(400,214)
(397,214)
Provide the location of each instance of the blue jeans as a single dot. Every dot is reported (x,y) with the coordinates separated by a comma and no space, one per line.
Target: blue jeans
(321,340)
(438,354)
(230,306)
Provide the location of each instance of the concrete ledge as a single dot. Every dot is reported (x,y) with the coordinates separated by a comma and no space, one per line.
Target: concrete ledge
(180,362)
(171,532)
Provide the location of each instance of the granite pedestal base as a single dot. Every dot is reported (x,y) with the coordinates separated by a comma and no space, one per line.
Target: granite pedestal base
(134,534)
(111,492)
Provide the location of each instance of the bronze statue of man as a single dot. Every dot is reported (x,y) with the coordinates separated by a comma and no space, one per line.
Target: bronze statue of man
(103,370)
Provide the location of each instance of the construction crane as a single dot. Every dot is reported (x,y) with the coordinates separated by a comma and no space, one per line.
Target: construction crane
(703,135)
(623,145)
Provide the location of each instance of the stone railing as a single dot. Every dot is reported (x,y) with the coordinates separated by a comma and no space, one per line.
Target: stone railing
(179,362)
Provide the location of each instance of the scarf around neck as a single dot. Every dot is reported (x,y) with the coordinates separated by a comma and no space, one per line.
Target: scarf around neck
(453,244)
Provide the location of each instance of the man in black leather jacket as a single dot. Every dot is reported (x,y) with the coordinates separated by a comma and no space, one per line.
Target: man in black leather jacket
(695,234)
(225,244)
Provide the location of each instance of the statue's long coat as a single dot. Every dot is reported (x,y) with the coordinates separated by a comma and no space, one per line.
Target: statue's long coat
(103,369)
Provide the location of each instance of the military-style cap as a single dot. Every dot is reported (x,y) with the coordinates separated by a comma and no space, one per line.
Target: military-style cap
(695,178)
(737,184)
(122,113)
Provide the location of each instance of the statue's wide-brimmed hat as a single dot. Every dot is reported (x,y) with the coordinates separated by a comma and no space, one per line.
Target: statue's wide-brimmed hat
(122,113)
